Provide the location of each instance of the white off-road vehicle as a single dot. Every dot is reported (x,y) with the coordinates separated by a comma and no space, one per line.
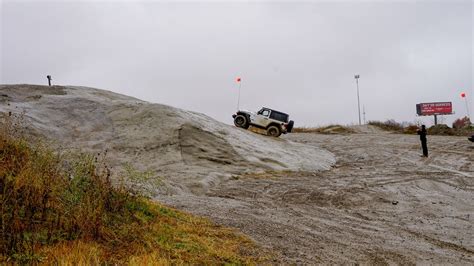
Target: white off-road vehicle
(274,122)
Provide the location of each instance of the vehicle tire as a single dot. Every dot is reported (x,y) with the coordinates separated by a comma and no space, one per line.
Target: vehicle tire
(289,127)
(274,131)
(241,121)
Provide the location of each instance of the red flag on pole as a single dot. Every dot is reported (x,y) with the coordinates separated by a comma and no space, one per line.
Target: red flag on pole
(240,85)
(463,94)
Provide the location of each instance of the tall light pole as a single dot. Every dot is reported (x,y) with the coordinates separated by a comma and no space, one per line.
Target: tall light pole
(358,99)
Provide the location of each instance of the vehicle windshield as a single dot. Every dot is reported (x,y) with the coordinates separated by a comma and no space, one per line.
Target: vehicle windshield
(264,112)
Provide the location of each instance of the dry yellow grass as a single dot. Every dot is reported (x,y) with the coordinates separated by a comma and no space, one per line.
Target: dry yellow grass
(331,129)
(174,237)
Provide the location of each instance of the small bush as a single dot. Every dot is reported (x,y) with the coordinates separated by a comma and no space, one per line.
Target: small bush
(411,129)
(463,122)
(441,129)
(389,125)
(331,129)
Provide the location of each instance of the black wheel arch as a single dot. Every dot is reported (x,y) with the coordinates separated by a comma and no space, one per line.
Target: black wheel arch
(244,114)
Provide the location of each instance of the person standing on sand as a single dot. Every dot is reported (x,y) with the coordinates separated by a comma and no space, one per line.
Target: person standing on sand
(424,146)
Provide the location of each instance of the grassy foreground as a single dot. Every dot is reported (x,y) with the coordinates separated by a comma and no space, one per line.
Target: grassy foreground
(64,209)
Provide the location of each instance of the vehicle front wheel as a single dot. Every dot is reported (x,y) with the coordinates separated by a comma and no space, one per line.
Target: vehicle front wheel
(274,131)
(241,121)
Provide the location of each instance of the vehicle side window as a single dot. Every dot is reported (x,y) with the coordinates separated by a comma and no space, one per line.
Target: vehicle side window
(279,116)
(266,113)
(275,116)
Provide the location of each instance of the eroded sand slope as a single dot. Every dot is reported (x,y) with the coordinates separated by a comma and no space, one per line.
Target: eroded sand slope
(189,151)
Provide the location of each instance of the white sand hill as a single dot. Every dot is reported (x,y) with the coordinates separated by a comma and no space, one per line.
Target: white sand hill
(189,151)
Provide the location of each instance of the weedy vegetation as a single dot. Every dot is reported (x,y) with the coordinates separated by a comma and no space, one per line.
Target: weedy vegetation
(62,208)
(389,125)
(331,129)
(461,127)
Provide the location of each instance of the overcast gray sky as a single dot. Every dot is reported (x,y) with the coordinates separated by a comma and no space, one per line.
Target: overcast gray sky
(297,57)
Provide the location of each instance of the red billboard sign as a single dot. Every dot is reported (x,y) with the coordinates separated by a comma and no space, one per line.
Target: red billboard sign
(439,108)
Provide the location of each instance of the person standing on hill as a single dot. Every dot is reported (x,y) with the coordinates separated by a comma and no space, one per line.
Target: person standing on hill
(424,146)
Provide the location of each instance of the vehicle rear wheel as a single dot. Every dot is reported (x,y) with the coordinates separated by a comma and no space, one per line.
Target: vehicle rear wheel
(274,131)
(241,121)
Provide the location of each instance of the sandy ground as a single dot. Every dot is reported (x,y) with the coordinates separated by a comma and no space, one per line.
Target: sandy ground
(367,197)
(381,203)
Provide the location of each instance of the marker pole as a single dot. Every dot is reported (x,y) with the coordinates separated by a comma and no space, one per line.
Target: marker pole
(238,100)
(467,107)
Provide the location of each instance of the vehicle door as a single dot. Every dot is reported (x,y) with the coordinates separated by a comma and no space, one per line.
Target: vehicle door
(262,118)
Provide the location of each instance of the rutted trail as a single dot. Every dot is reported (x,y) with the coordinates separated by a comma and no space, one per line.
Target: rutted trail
(374,206)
